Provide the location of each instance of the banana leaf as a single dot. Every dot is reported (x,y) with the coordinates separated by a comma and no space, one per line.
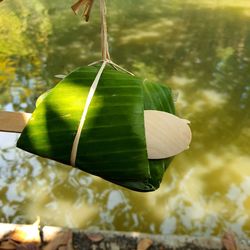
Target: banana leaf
(112,143)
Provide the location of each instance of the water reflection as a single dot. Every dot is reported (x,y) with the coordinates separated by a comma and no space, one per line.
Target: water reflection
(200,49)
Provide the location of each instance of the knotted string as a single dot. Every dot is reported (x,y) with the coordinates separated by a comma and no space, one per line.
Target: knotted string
(105,60)
(104,32)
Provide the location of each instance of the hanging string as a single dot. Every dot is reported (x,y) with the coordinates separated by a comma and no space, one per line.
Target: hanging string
(105,60)
(104,38)
(87,5)
(104,31)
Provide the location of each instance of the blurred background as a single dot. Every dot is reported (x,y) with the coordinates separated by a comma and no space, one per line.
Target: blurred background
(201,49)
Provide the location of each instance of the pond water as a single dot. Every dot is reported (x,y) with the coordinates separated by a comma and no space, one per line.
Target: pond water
(201,49)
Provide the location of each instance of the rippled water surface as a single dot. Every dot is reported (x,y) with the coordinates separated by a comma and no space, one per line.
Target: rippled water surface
(199,48)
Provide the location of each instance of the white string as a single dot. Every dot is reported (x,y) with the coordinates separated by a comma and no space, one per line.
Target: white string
(106,60)
(104,31)
(104,40)
(116,66)
(84,114)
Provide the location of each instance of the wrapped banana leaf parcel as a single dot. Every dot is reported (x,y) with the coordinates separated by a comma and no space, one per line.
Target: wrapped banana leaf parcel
(111,142)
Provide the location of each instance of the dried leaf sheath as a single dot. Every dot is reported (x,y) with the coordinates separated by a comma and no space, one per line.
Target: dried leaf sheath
(87,5)
(112,142)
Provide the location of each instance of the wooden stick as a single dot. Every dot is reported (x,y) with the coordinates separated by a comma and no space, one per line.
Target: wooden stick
(13,121)
(166,134)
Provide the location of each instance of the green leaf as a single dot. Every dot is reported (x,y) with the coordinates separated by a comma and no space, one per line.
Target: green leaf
(112,143)
(156,97)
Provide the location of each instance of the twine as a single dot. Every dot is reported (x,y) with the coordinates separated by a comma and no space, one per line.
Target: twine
(105,60)
(84,114)
(104,31)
